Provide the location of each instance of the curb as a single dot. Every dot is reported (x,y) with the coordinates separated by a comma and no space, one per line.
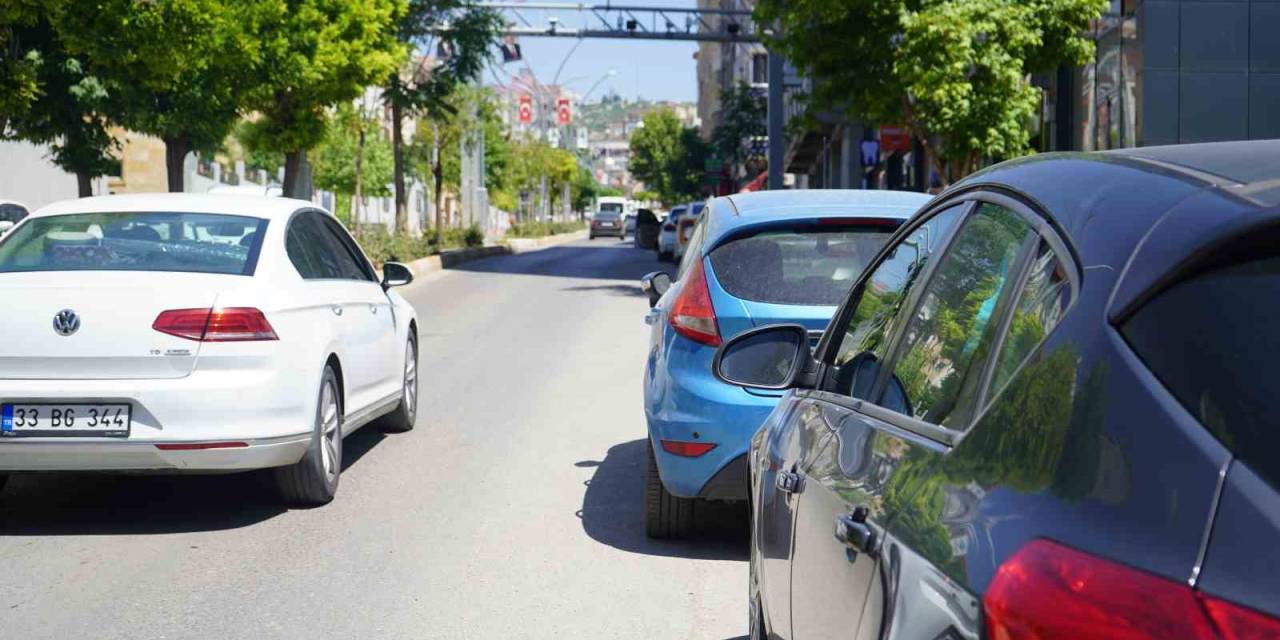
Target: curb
(514,246)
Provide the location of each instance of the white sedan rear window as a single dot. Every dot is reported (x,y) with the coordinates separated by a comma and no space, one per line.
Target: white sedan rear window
(185,242)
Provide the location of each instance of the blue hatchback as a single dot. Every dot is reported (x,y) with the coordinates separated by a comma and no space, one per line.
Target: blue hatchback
(753,259)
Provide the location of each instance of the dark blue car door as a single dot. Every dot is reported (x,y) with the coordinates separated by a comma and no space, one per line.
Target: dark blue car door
(844,469)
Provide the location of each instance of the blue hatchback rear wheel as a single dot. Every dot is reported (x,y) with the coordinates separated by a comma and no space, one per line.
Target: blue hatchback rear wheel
(665,516)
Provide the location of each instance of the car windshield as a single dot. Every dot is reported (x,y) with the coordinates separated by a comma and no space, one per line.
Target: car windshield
(607,215)
(185,242)
(801,266)
(611,207)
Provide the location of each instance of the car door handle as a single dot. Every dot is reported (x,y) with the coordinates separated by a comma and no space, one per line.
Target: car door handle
(652,316)
(853,531)
(787,482)
(337,309)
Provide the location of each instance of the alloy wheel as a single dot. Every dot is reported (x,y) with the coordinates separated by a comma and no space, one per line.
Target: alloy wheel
(330,432)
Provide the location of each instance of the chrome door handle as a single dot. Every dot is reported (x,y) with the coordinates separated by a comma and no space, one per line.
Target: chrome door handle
(787,482)
(336,308)
(853,531)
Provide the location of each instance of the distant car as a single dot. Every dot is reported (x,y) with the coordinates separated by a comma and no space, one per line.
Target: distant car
(753,259)
(607,223)
(667,235)
(1046,410)
(684,233)
(11,213)
(629,227)
(647,229)
(198,333)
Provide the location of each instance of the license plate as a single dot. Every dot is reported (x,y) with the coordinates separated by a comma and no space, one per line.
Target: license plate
(54,420)
(606,224)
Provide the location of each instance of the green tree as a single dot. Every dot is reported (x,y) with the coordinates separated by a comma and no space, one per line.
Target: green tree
(18,62)
(67,111)
(467,114)
(742,119)
(175,69)
(425,85)
(668,157)
(954,72)
(315,54)
(354,159)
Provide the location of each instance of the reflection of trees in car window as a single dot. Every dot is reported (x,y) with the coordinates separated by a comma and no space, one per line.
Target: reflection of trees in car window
(1040,305)
(951,329)
(882,295)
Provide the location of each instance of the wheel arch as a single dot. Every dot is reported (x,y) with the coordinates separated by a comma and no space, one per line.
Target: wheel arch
(335,363)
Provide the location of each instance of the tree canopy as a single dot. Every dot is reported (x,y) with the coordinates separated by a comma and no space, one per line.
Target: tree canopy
(175,69)
(669,157)
(954,72)
(315,54)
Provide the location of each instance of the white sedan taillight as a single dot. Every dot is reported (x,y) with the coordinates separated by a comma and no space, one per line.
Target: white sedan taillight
(232,324)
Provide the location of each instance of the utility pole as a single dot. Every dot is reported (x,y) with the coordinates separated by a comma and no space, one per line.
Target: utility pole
(776,141)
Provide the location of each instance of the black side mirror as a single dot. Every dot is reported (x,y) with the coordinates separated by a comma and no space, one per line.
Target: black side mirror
(395,274)
(655,285)
(773,357)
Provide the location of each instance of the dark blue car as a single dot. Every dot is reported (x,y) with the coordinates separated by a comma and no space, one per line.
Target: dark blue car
(1047,409)
(752,259)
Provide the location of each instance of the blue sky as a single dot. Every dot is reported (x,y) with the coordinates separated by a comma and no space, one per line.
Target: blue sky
(654,70)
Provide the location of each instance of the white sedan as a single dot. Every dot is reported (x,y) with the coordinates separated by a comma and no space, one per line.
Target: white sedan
(174,332)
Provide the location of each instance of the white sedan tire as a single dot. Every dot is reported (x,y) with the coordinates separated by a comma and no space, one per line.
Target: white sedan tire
(313,480)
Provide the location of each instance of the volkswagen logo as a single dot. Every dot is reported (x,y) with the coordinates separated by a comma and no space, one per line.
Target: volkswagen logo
(66,322)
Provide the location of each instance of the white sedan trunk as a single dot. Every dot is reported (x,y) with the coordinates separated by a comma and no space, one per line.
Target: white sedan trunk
(115,311)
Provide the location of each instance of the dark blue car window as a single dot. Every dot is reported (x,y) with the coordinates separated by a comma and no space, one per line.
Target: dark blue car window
(1212,341)
(948,339)
(880,308)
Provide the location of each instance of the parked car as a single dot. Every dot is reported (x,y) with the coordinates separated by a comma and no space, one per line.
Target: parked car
(11,213)
(667,234)
(684,229)
(753,259)
(1045,410)
(629,226)
(647,229)
(151,345)
(607,223)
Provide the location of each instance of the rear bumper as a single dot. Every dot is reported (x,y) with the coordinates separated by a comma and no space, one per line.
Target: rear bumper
(698,408)
(272,414)
(729,483)
(608,231)
(123,455)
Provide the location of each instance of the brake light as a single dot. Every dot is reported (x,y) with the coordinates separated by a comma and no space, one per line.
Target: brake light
(686,449)
(233,324)
(692,315)
(1047,591)
(1235,622)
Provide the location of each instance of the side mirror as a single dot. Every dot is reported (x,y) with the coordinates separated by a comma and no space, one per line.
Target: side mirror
(655,285)
(395,274)
(773,357)
(5,226)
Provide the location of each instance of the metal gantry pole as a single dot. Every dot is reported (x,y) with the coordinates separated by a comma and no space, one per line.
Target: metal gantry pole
(777,142)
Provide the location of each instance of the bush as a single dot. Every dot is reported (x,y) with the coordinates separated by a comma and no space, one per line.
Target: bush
(540,229)
(382,246)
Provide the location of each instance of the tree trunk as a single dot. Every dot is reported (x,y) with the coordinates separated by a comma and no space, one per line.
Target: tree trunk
(175,156)
(397,148)
(293,175)
(437,173)
(85,182)
(359,206)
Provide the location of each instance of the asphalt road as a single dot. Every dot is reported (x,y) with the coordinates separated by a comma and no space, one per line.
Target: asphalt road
(513,510)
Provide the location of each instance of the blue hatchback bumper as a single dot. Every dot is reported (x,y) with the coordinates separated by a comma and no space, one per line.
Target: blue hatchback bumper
(690,405)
